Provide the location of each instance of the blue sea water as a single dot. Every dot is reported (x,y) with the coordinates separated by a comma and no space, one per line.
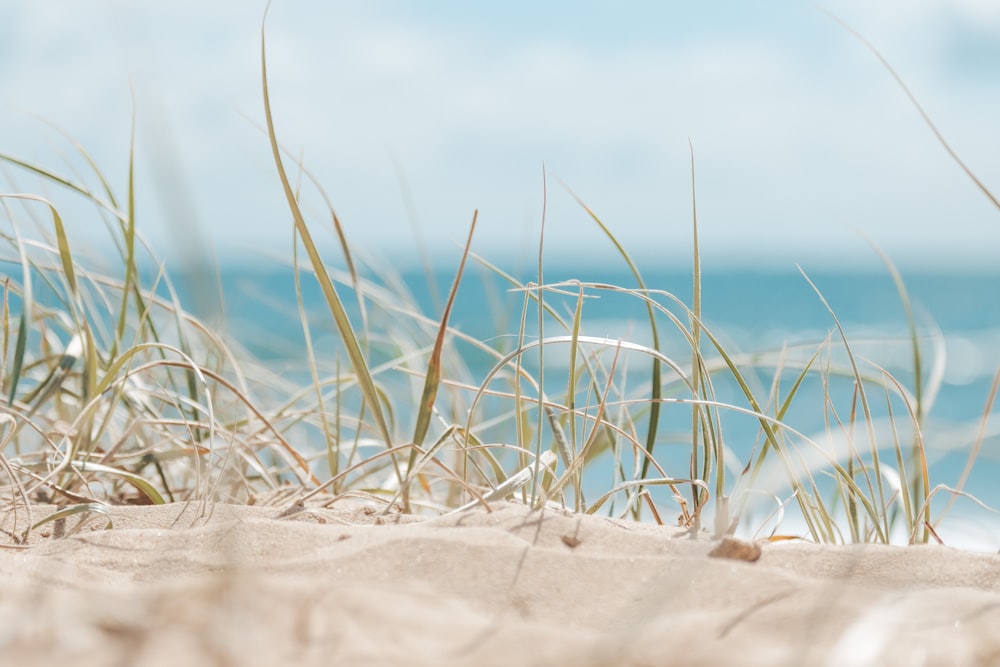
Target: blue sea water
(754,315)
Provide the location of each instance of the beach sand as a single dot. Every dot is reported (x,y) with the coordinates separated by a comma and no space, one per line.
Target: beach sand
(221,584)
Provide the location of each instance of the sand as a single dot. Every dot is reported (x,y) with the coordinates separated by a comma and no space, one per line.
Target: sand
(249,585)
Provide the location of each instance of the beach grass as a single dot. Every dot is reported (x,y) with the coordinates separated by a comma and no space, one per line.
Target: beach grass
(114,393)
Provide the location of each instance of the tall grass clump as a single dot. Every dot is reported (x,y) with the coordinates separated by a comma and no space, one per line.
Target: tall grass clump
(114,393)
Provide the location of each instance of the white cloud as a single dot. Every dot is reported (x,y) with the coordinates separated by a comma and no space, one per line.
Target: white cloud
(797,139)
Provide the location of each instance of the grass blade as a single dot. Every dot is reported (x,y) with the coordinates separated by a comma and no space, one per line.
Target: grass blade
(656,390)
(349,339)
(433,379)
(916,104)
(21,343)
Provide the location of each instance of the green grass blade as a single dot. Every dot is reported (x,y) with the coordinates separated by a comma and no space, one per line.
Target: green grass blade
(574,347)
(99,508)
(129,233)
(426,408)
(710,456)
(656,390)
(21,344)
(55,178)
(332,453)
(139,482)
(350,341)
(859,386)
(541,337)
(921,484)
(911,326)
(65,256)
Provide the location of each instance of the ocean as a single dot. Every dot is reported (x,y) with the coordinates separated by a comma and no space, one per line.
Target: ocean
(764,320)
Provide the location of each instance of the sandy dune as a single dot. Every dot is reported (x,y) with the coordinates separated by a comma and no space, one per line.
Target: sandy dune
(239,585)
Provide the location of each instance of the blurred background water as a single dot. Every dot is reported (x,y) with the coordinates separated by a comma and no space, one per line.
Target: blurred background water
(754,315)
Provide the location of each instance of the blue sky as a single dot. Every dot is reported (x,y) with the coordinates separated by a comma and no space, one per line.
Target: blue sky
(803,144)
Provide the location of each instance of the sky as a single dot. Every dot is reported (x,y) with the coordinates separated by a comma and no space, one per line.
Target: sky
(412,116)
